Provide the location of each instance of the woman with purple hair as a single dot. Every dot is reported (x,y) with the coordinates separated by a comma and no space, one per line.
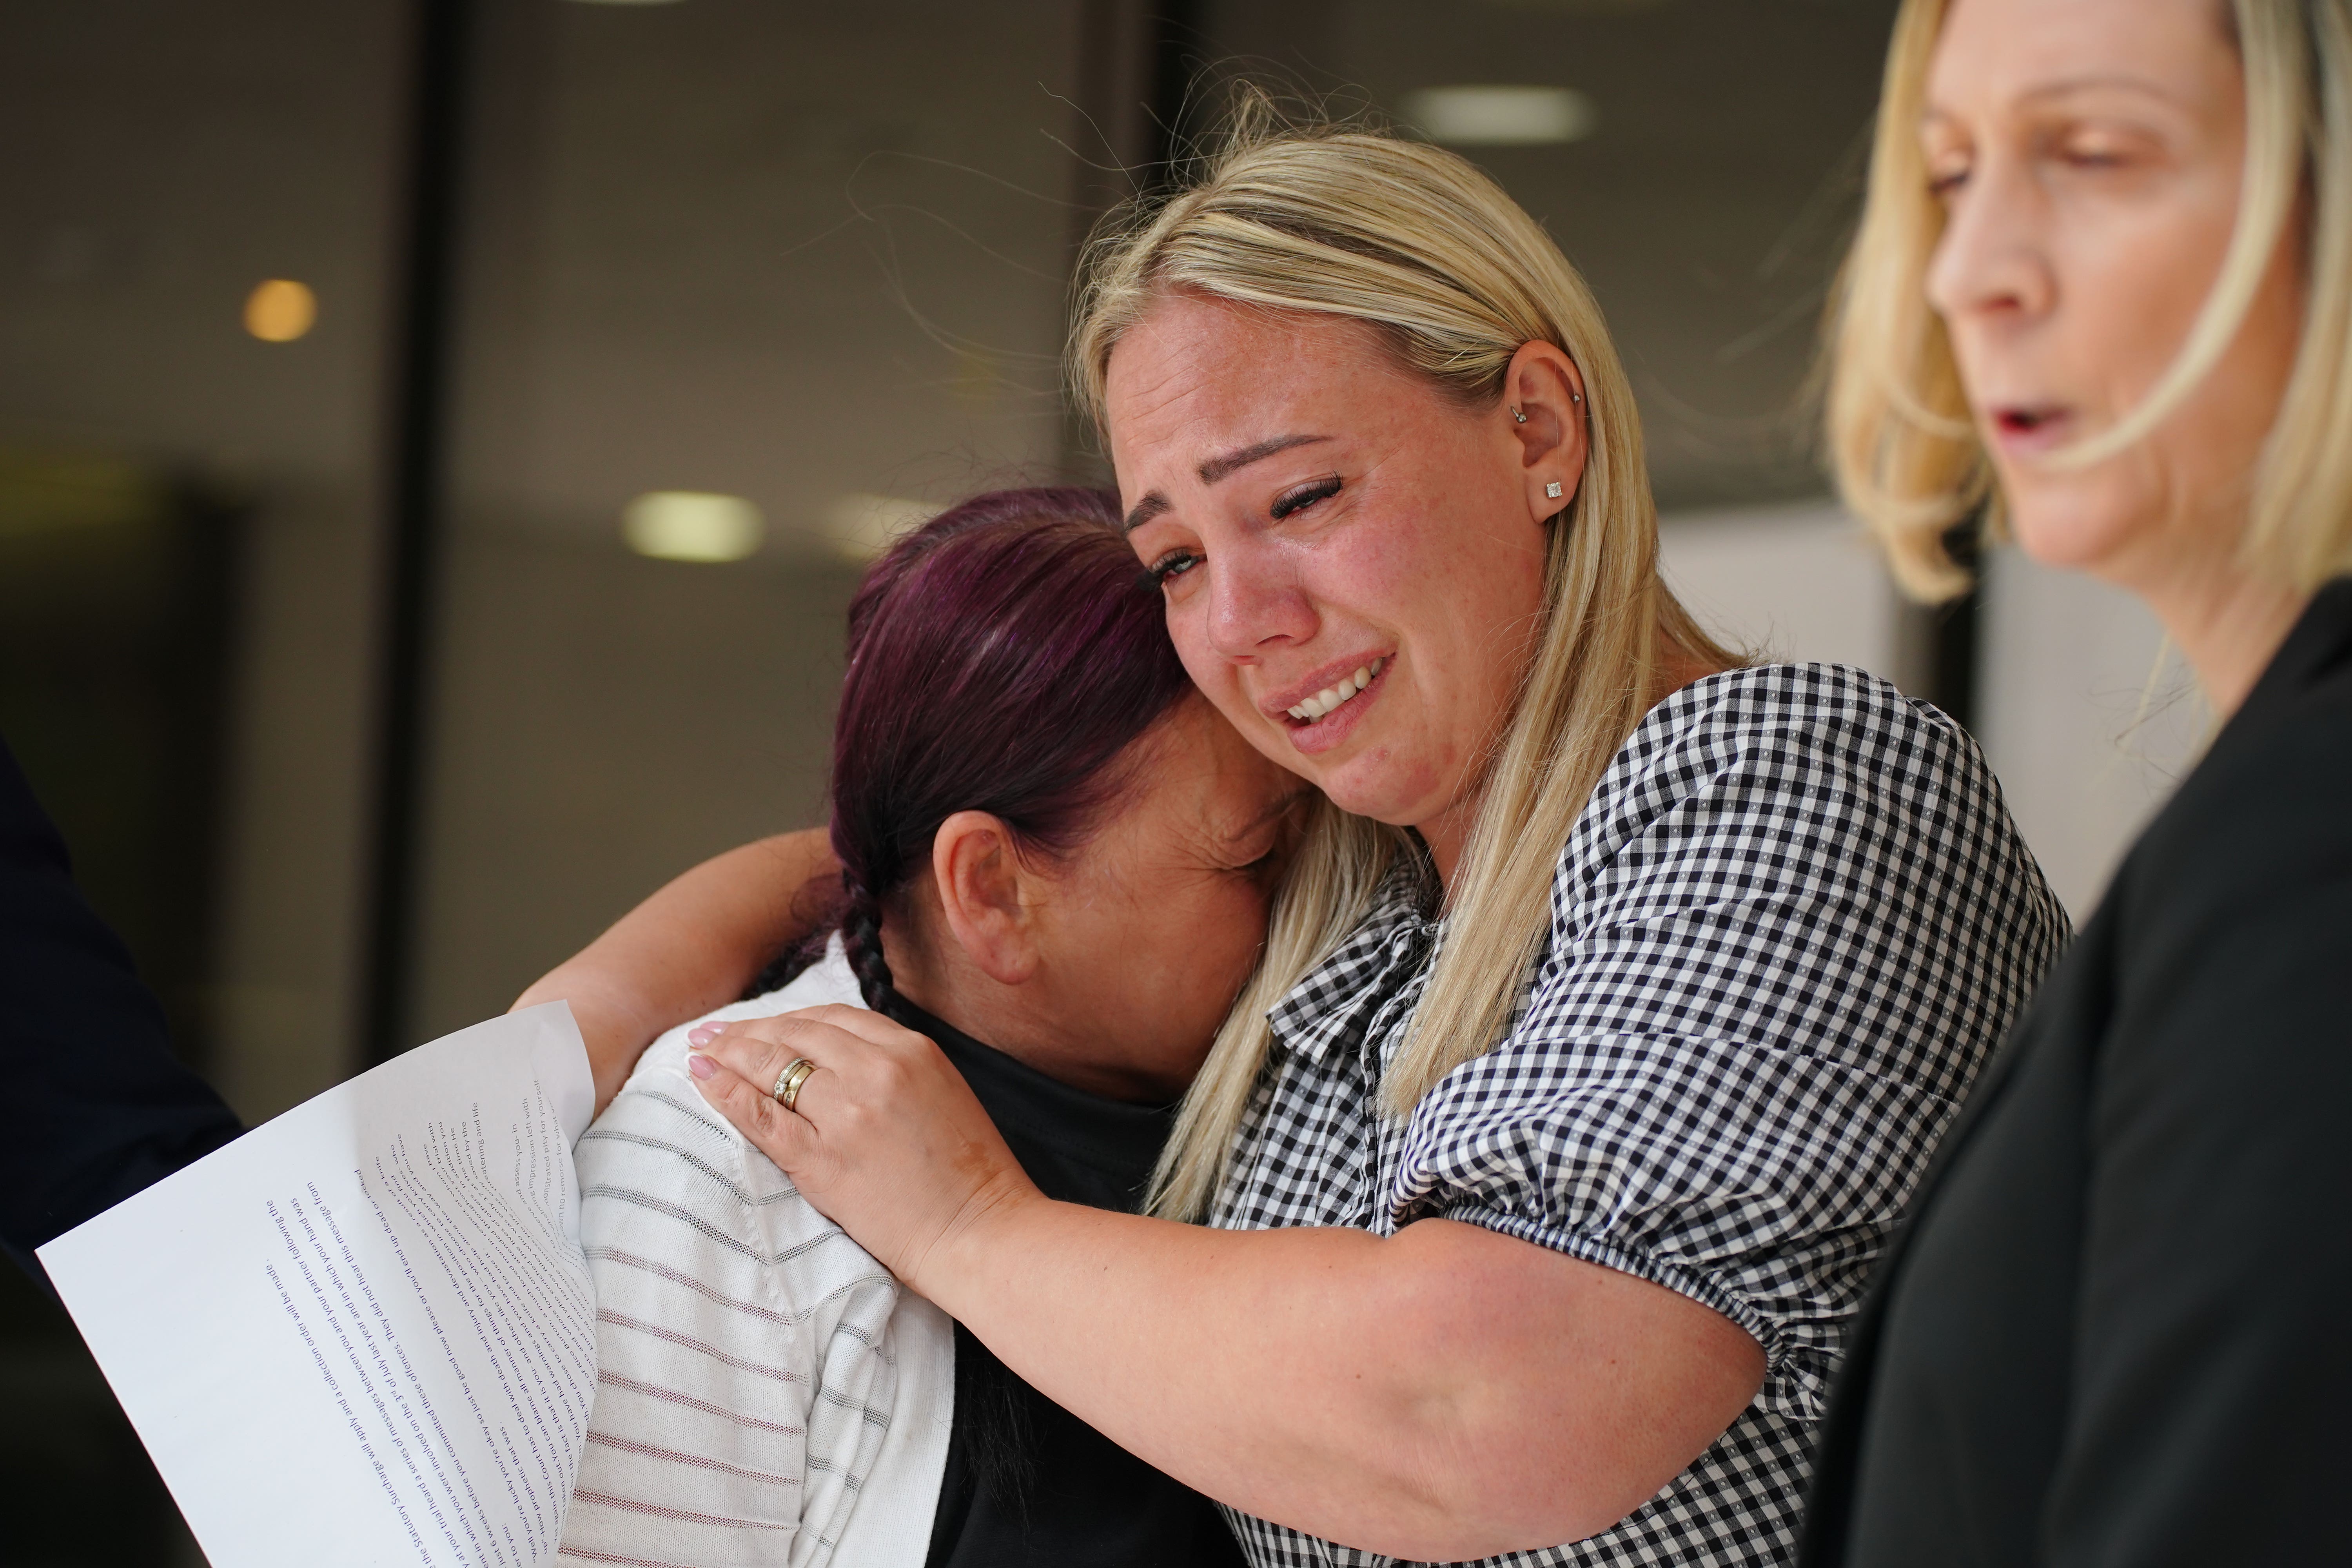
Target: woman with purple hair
(1048,842)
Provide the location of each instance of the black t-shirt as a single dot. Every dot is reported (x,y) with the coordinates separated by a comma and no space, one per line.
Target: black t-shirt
(1028,1483)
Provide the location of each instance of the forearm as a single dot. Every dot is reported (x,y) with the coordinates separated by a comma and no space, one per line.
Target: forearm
(1446,1394)
(692,946)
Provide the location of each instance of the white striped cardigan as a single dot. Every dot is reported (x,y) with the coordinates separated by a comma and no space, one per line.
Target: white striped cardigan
(766,1392)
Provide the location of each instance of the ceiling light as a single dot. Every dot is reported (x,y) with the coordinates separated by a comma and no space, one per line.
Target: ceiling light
(689,525)
(1501,116)
(280,310)
(861,527)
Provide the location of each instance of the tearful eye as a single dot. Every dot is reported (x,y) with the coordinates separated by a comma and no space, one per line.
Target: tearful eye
(1173,564)
(1304,496)
(1264,866)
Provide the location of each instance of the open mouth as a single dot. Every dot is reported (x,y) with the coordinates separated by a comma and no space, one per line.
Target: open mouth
(2026,423)
(1331,699)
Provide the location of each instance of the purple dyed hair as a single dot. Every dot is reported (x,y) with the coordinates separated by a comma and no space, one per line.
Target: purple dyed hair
(1001,657)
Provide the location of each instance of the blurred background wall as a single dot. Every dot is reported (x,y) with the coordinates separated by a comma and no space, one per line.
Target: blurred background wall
(438,438)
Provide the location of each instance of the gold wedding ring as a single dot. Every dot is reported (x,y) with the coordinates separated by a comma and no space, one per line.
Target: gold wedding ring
(788,1082)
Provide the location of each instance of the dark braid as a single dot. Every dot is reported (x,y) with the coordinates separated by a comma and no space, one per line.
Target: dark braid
(999,1408)
(861,938)
(816,908)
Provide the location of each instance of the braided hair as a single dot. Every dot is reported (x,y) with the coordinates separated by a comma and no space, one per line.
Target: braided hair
(861,940)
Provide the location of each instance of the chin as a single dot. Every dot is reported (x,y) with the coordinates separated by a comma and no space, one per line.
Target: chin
(1367,785)
(2071,527)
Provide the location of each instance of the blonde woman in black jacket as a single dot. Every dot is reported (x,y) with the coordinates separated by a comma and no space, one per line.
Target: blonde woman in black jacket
(2105,284)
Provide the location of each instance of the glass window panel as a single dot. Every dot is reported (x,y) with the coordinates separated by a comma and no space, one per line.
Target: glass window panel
(809,257)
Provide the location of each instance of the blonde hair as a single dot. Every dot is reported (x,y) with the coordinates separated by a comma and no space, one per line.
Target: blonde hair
(1329,888)
(1902,444)
(1417,243)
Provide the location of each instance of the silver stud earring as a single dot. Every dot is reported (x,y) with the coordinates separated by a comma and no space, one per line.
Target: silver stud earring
(1519,417)
(1551,488)
(1576,397)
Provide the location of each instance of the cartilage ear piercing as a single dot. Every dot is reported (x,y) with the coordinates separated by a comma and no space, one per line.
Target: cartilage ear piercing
(1551,488)
(1519,417)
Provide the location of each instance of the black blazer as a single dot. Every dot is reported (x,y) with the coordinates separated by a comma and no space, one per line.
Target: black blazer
(2119,1329)
(93,1105)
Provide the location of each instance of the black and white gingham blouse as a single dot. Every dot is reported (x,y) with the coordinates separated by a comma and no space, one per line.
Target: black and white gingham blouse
(1789,927)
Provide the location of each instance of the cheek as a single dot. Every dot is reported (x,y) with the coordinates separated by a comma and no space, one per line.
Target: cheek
(2126,327)
(1481,611)
(1469,549)
(1216,935)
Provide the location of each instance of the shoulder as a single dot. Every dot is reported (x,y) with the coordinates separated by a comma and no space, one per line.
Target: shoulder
(2264,813)
(1809,770)
(2236,906)
(1795,724)
(828,981)
(1823,864)
(662,1166)
(2271,802)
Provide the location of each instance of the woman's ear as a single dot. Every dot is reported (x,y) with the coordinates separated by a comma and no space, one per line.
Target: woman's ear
(987,895)
(1544,399)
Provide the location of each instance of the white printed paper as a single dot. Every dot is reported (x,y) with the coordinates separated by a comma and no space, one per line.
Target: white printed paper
(364,1333)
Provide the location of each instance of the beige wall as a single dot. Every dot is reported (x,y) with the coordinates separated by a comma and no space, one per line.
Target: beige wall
(2086,713)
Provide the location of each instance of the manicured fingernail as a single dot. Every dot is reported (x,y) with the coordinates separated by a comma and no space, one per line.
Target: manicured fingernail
(702,1034)
(699,1065)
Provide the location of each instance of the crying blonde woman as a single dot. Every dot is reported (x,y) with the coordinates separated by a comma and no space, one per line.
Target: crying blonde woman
(1603,1027)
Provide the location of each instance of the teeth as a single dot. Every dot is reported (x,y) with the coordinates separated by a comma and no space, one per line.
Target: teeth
(1330,697)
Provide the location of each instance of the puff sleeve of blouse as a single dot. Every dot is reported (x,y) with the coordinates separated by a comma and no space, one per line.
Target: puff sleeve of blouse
(1788,928)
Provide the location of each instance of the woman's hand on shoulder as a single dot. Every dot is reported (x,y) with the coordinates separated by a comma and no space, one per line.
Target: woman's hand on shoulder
(885,1136)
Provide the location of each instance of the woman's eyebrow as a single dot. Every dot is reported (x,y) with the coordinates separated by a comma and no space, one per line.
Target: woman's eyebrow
(1150,507)
(2105,80)
(1932,114)
(1212,469)
(2071,87)
(1216,468)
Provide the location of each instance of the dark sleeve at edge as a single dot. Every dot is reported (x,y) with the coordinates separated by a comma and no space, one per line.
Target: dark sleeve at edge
(95,1105)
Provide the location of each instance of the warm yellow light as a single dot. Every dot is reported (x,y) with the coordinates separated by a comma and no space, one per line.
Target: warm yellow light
(1498,116)
(690,525)
(280,310)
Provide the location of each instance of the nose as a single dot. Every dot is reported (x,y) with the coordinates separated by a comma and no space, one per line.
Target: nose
(1992,259)
(1256,603)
